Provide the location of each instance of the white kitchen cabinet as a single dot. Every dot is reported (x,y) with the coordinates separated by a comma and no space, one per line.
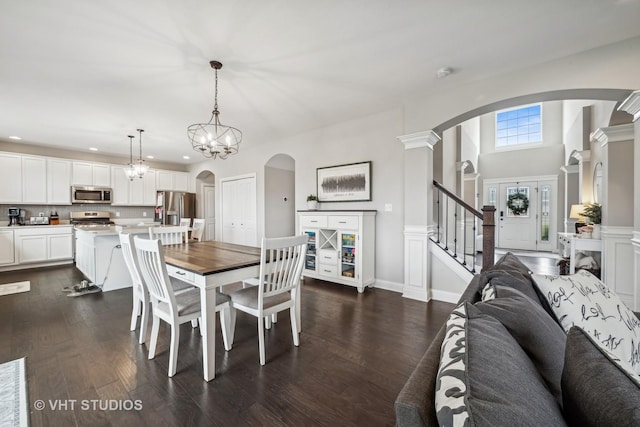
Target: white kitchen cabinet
(58,181)
(11,178)
(7,253)
(136,192)
(91,174)
(341,246)
(34,180)
(172,180)
(43,244)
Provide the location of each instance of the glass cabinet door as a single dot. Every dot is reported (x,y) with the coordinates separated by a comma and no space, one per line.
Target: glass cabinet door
(348,255)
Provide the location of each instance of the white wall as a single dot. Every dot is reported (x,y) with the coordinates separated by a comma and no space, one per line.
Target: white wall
(279,204)
(370,138)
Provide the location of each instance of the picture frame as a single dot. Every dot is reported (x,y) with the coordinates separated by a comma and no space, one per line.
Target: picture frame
(344,183)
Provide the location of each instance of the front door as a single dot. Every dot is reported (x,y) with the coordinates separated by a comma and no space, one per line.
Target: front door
(517,212)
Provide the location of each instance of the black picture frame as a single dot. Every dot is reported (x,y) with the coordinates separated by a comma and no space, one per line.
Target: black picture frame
(344,183)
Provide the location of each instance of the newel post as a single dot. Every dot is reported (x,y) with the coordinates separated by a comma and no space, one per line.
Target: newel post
(488,236)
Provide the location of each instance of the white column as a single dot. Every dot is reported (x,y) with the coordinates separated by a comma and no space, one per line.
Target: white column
(418,212)
(617,209)
(569,172)
(632,106)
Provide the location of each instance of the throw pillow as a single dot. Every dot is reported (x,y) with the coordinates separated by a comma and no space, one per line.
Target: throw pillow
(582,300)
(485,378)
(596,391)
(542,339)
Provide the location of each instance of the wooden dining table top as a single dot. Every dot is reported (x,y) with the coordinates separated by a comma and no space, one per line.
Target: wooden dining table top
(211,257)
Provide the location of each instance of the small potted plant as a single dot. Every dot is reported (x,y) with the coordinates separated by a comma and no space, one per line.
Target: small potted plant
(593,211)
(312,202)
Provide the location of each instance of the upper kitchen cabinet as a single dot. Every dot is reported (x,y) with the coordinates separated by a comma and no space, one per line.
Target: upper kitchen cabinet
(58,181)
(136,192)
(91,174)
(11,177)
(34,179)
(172,181)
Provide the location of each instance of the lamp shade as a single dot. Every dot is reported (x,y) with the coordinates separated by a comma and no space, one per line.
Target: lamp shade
(577,212)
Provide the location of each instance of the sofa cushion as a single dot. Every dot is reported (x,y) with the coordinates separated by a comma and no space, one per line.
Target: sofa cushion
(596,390)
(582,300)
(540,336)
(485,378)
(509,271)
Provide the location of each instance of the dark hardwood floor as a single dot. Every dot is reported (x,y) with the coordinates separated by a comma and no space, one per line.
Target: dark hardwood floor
(356,351)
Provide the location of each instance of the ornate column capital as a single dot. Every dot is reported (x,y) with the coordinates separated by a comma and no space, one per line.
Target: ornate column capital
(426,138)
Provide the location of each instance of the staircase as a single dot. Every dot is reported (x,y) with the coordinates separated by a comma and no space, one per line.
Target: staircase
(456,230)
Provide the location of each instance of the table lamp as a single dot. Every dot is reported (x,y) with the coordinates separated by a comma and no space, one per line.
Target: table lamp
(576,213)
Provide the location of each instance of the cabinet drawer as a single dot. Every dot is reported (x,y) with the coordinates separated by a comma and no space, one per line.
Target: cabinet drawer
(328,270)
(313,221)
(343,222)
(178,273)
(327,257)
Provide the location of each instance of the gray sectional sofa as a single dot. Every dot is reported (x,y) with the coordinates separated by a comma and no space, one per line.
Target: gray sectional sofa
(520,366)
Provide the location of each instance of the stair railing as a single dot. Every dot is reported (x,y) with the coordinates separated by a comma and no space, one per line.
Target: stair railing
(445,198)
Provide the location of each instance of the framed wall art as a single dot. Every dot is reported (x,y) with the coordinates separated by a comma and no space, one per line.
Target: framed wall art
(344,183)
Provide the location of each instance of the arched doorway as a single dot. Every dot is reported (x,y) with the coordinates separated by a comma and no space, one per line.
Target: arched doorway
(205,202)
(279,196)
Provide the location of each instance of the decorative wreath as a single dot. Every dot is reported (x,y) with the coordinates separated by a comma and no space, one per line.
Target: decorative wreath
(518,203)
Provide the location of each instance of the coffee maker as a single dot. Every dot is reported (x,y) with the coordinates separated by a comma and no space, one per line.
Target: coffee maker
(14,215)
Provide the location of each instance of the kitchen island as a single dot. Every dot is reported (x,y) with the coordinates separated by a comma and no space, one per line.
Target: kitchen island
(99,255)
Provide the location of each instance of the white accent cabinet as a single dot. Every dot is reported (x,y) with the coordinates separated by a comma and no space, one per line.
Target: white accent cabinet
(341,247)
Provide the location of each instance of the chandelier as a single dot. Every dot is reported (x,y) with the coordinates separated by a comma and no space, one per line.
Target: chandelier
(138,169)
(213,139)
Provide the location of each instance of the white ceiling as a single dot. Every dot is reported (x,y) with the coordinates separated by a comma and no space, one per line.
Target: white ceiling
(86,73)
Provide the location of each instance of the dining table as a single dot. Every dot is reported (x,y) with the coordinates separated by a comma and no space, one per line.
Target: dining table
(209,265)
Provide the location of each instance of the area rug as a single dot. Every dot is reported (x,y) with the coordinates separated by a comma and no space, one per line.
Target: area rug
(15,288)
(14,405)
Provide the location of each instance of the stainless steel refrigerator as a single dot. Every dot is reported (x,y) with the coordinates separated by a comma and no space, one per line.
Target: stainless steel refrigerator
(171,206)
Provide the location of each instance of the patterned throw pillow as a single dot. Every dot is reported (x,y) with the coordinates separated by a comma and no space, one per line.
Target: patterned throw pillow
(486,378)
(582,300)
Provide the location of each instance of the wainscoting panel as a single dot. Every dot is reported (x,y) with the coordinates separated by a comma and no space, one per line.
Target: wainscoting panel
(618,262)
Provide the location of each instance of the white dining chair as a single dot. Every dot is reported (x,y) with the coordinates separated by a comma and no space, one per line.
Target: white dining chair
(281,262)
(197,231)
(185,222)
(170,235)
(175,309)
(140,292)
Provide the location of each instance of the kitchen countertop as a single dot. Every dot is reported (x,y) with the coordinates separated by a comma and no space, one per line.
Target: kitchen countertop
(114,230)
(21,227)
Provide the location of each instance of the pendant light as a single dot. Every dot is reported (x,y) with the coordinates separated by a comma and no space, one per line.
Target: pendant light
(213,139)
(130,170)
(140,167)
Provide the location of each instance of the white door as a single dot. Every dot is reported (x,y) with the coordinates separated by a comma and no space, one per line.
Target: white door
(239,216)
(517,226)
(209,197)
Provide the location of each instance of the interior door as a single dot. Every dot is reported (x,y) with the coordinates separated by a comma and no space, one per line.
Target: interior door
(517,230)
(209,193)
(239,216)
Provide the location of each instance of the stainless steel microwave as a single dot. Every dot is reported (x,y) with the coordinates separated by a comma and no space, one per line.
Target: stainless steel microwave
(90,194)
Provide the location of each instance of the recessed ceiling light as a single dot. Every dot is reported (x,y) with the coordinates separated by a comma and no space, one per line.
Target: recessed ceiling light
(186,157)
(93,149)
(444,72)
(15,137)
(149,157)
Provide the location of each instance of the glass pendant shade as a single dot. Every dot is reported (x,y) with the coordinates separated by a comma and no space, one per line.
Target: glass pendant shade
(213,139)
(130,171)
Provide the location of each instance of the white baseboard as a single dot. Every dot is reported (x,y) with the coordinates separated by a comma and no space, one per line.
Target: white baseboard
(445,296)
(389,286)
